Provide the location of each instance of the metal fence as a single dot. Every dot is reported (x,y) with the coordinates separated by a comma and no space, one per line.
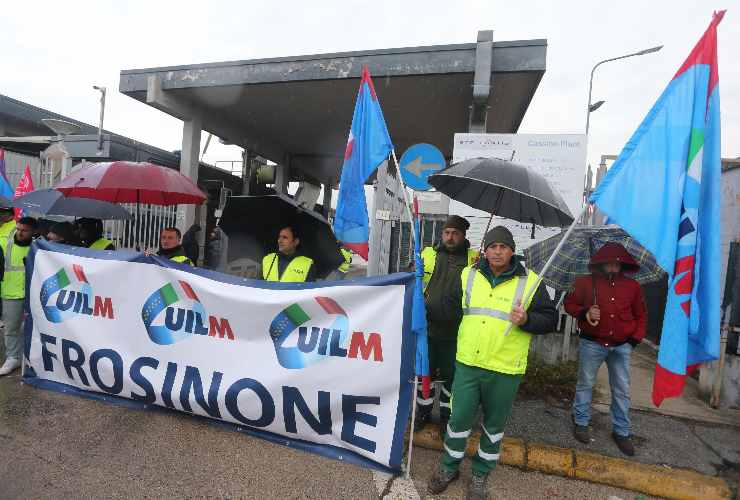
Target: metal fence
(153,218)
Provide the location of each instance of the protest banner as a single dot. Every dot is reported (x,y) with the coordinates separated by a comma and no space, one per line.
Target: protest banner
(321,367)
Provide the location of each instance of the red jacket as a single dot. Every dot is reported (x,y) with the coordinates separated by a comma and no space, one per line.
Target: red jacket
(620,299)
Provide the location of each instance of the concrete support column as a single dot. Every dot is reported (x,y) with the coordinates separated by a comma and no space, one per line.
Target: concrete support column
(189,161)
(482,82)
(282,175)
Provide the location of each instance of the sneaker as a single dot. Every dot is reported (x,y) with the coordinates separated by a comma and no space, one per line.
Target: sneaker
(441,479)
(421,420)
(10,365)
(477,489)
(582,433)
(624,443)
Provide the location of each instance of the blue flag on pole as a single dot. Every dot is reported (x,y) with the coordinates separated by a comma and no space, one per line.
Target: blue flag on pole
(6,189)
(368,145)
(419,312)
(664,189)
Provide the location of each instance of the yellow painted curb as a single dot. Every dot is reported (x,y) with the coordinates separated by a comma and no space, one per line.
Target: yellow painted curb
(678,484)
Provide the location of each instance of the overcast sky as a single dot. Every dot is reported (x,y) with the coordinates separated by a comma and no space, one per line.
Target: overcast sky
(53,52)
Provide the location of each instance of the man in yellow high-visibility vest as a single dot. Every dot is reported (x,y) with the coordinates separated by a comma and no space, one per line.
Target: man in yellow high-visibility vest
(13,290)
(287,265)
(90,233)
(170,246)
(7,225)
(443,264)
(490,364)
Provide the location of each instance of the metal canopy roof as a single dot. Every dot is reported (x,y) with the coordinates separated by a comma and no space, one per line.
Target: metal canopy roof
(297,110)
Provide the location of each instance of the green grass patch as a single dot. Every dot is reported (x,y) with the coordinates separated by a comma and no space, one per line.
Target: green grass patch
(549,382)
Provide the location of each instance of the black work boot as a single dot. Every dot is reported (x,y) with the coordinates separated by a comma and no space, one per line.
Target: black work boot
(443,421)
(582,433)
(441,479)
(477,488)
(422,417)
(624,443)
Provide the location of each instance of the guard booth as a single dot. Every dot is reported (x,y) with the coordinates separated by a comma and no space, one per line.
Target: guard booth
(297,111)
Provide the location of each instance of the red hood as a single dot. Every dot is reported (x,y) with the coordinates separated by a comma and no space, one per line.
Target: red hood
(614,252)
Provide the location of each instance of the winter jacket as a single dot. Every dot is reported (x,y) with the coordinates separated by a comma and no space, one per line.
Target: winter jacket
(441,295)
(175,253)
(620,300)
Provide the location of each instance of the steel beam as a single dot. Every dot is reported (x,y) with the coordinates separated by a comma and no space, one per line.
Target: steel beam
(482,80)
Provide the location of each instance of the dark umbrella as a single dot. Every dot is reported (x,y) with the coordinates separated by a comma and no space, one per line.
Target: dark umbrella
(131,182)
(252,224)
(572,260)
(53,202)
(505,189)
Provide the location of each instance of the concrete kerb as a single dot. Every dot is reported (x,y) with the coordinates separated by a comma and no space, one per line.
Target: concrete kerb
(673,483)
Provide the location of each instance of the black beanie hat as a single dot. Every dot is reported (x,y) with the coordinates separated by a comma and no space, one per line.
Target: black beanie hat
(499,234)
(457,222)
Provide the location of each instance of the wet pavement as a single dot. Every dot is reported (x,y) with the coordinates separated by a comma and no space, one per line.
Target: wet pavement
(55,445)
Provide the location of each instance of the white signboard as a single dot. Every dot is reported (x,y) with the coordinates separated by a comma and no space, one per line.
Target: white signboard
(323,368)
(560,158)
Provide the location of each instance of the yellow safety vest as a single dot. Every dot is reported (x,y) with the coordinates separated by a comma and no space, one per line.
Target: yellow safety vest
(480,339)
(182,259)
(429,256)
(100,244)
(14,280)
(5,230)
(347,260)
(296,272)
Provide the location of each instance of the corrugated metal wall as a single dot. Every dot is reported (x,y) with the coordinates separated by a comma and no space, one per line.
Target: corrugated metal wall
(16,163)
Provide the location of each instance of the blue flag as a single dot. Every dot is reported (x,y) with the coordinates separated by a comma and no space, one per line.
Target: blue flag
(6,189)
(664,189)
(419,312)
(368,145)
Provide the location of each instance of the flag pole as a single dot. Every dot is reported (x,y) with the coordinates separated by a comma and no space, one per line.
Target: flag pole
(405,196)
(528,294)
(416,378)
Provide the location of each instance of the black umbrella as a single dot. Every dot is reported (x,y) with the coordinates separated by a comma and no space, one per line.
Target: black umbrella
(252,224)
(505,189)
(508,190)
(53,202)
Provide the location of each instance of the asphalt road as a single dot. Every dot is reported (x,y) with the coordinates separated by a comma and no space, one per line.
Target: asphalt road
(56,445)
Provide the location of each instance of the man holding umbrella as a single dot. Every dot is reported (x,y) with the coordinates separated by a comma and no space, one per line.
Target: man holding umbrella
(90,233)
(443,264)
(287,265)
(612,317)
(490,363)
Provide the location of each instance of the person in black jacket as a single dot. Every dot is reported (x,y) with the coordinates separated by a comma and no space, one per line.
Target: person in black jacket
(443,264)
(190,243)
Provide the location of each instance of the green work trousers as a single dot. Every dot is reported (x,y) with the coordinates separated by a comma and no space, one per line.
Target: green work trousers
(441,369)
(495,393)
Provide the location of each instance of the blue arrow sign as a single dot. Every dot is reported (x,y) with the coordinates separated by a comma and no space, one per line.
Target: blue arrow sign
(418,163)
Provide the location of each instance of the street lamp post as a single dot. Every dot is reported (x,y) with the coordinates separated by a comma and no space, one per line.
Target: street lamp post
(593,107)
(102,114)
(590,107)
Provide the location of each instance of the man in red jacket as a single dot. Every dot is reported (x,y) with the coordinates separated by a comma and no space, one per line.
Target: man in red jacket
(612,317)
